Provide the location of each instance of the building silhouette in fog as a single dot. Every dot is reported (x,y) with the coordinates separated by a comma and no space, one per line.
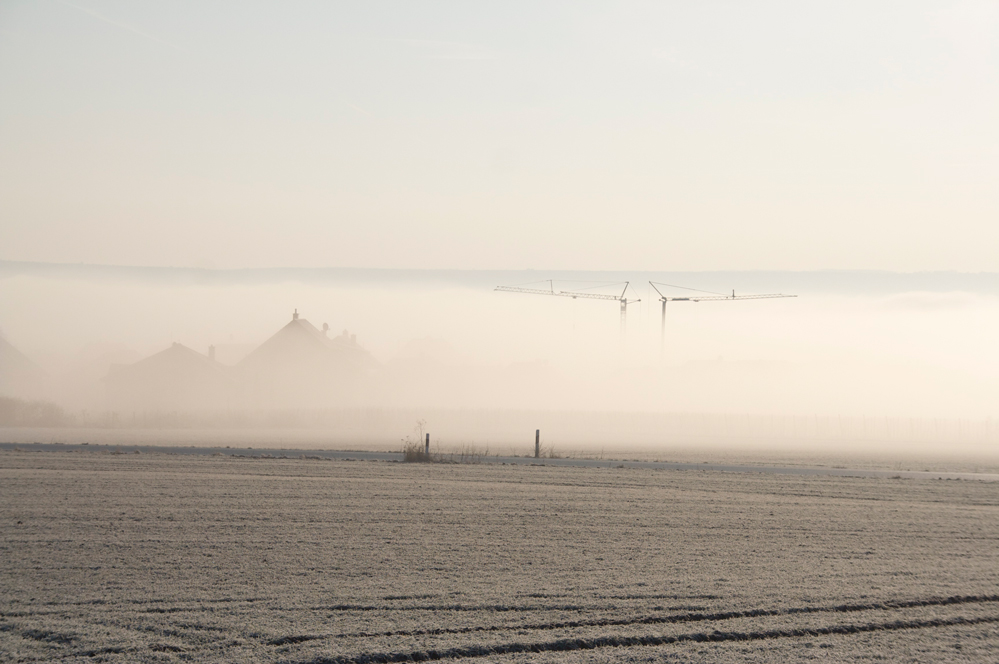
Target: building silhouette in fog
(300,366)
(177,378)
(303,366)
(18,374)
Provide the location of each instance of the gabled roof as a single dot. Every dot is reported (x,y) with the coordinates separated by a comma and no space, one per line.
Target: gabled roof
(178,358)
(18,374)
(13,361)
(301,341)
(298,366)
(175,378)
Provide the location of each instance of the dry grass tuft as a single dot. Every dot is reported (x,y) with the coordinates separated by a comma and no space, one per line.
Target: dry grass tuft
(415,453)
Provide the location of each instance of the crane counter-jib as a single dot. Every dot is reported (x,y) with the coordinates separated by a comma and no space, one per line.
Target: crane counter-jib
(517,289)
(622,298)
(538,291)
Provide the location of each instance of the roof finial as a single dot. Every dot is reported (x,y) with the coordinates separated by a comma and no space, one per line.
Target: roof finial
(294,316)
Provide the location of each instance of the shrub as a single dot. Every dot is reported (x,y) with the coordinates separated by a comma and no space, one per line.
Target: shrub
(414,453)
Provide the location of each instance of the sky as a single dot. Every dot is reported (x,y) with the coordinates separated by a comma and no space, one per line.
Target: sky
(501,135)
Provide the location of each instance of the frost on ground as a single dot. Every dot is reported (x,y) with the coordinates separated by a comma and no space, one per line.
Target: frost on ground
(157,558)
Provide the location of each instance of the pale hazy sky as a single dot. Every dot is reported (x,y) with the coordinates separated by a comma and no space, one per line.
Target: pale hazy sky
(680,136)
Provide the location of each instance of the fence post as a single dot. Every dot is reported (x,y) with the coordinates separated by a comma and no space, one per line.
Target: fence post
(537,443)
(426,449)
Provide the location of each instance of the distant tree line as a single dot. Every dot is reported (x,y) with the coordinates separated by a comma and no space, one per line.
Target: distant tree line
(20,413)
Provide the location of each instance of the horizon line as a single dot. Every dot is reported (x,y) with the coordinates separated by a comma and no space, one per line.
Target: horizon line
(191,268)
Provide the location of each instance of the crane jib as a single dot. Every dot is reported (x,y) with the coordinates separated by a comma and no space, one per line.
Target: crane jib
(622,298)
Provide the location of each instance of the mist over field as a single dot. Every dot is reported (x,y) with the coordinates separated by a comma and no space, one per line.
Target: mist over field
(856,357)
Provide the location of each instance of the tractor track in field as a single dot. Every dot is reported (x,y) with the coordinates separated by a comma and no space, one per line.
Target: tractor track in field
(566,645)
(690,617)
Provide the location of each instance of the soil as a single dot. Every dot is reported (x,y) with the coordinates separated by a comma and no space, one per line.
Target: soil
(158,557)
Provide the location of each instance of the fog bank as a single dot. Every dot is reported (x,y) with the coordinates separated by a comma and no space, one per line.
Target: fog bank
(838,362)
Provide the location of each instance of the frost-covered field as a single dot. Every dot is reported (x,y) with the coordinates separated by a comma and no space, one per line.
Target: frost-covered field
(127,558)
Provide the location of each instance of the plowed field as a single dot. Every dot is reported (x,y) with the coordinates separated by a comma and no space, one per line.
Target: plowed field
(156,558)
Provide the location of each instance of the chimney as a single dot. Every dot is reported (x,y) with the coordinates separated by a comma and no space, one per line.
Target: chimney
(294,316)
(326,328)
(211,353)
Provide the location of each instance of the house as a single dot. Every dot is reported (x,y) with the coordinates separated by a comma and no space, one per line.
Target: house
(301,366)
(19,376)
(177,378)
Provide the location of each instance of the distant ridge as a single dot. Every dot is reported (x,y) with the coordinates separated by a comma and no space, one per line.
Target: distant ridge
(869,282)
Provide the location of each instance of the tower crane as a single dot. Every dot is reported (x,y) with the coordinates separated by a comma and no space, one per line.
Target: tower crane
(700,298)
(622,298)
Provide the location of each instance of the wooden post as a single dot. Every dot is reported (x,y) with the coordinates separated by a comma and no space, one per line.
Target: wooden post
(426,450)
(537,443)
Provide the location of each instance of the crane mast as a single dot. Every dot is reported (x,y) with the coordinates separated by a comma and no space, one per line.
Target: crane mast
(710,297)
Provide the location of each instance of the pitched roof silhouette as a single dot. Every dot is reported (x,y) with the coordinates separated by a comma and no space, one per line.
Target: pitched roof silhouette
(175,377)
(301,343)
(18,374)
(299,366)
(177,357)
(14,361)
